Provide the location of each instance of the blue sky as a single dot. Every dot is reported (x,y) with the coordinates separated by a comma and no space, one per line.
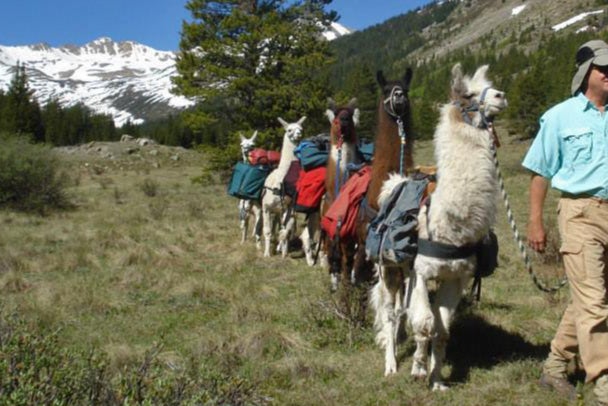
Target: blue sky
(156,23)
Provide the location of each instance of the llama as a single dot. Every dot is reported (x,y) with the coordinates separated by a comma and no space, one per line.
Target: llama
(461,213)
(274,203)
(392,155)
(247,208)
(343,152)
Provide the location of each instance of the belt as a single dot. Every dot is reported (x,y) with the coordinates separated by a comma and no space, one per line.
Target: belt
(584,196)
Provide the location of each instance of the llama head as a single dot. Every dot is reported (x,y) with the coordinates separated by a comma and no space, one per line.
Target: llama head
(247,144)
(477,91)
(395,93)
(343,119)
(293,131)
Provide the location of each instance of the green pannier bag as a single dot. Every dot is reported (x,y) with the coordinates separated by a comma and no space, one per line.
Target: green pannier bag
(247,181)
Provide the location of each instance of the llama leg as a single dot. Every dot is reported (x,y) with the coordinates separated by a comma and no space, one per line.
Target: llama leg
(243,219)
(267,221)
(421,319)
(420,313)
(288,225)
(307,236)
(257,229)
(392,293)
(447,299)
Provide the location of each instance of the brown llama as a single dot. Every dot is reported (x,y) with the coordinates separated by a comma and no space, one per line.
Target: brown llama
(343,151)
(393,153)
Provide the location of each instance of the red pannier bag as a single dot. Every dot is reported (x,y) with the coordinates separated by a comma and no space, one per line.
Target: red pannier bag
(341,217)
(310,189)
(259,156)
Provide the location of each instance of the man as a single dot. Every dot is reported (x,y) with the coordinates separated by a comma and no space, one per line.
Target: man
(571,151)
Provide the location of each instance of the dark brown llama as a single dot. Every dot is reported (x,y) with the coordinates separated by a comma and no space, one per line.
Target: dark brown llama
(393,153)
(343,151)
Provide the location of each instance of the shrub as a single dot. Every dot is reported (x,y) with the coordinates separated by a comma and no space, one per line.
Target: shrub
(31,176)
(35,370)
(149,187)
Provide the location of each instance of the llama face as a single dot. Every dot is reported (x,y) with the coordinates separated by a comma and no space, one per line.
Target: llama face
(343,120)
(247,144)
(478,91)
(395,93)
(293,131)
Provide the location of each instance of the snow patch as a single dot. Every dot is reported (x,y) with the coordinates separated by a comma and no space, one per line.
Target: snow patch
(574,20)
(518,10)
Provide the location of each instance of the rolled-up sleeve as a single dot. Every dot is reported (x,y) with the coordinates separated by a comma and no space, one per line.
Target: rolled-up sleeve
(543,157)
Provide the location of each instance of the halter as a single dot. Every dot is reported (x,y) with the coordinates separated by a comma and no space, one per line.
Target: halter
(486,122)
(389,107)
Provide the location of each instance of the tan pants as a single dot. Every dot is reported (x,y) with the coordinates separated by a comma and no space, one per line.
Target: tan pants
(583,225)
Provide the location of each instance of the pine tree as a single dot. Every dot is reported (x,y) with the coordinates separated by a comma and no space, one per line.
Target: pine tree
(254,59)
(20,110)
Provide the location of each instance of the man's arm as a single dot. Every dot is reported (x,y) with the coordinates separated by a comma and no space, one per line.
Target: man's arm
(537,238)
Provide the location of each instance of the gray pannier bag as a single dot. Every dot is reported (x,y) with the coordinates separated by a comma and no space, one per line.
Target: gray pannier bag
(392,235)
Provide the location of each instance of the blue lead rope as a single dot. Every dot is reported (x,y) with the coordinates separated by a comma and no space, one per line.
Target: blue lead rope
(402,136)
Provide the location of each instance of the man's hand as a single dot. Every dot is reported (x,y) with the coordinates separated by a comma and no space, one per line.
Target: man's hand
(537,239)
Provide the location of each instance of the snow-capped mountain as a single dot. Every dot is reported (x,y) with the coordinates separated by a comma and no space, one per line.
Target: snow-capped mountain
(126,80)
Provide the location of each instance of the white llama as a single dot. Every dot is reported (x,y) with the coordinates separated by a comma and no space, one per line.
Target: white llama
(275,206)
(462,211)
(247,208)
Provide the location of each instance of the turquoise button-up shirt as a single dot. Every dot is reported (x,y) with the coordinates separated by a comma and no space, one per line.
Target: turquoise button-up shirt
(571,148)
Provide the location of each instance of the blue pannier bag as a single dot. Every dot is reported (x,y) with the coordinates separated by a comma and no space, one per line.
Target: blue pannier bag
(313,152)
(366,150)
(247,181)
(392,235)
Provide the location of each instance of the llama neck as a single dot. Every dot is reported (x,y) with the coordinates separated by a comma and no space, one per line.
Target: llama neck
(347,153)
(287,156)
(244,155)
(387,153)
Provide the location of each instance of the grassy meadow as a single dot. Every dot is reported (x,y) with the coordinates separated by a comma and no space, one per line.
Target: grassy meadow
(148,269)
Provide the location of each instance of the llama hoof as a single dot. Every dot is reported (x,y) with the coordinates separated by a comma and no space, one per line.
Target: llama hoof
(439,387)
(418,371)
(335,281)
(390,368)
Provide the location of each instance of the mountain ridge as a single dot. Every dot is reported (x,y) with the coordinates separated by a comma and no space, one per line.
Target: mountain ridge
(127,80)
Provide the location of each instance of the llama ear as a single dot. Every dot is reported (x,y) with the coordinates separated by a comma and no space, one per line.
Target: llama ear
(356,115)
(242,136)
(380,78)
(458,87)
(301,120)
(331,103)
(330,115)
(407,78)
(352,103)
(255,134)
(480,74)
(284,123)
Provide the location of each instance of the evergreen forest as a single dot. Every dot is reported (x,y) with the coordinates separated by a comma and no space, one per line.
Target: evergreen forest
(249,81)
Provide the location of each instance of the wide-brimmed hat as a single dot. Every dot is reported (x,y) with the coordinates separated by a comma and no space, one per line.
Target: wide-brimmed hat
(594,52)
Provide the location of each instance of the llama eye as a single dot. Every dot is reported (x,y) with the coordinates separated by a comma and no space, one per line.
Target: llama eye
(468,96)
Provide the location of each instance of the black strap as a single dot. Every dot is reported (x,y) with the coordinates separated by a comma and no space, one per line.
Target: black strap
(436,249)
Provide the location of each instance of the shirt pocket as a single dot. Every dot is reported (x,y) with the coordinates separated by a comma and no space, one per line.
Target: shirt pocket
(578,144)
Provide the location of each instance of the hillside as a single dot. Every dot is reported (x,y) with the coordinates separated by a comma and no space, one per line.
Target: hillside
(443,27)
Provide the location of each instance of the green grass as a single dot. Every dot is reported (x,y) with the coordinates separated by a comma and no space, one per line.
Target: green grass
(150,262)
